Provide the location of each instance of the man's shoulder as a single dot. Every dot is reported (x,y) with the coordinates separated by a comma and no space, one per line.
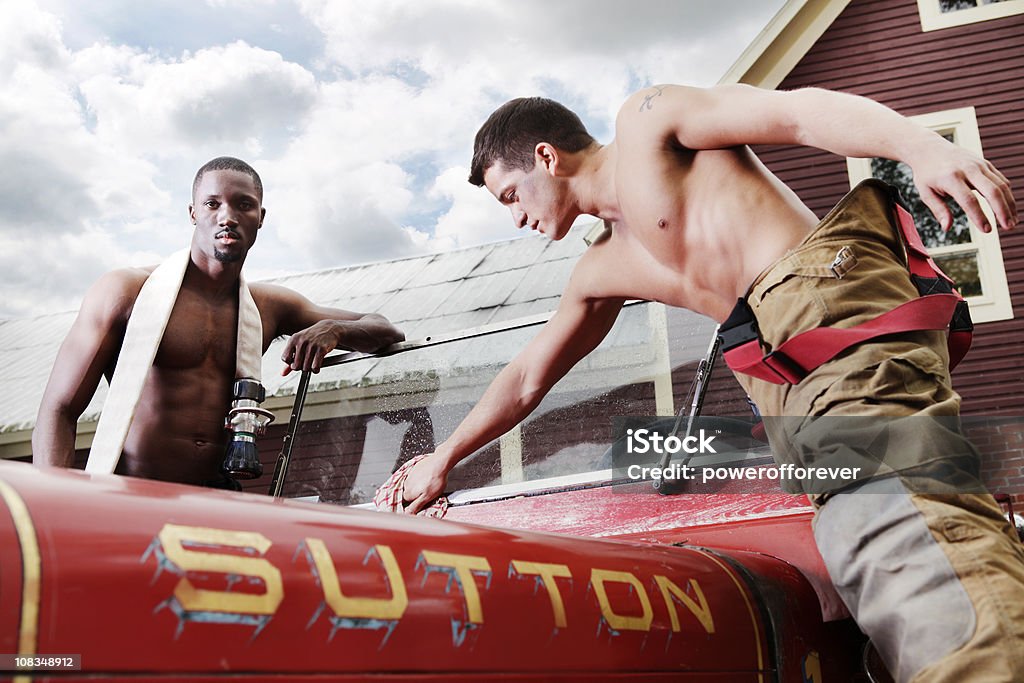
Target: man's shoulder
(123,281)
(113,295)
(276,302)
(649,110)
(614,268)
(643,100)
(273,294)
(587,275)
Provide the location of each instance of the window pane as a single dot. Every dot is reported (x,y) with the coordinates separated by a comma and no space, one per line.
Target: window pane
(963,268)
(954,5)
(898,174)
(345,449)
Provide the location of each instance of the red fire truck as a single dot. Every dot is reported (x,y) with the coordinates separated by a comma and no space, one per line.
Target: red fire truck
(536,573)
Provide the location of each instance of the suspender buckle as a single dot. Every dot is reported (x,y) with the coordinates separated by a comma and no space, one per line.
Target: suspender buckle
(739,328)
(740,334)
(843,263)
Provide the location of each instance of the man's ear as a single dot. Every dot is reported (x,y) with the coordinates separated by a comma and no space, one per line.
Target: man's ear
(192,214)
(263,216)
(547,156)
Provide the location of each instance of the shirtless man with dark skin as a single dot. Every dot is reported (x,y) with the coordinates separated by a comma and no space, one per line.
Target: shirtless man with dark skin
(178,430)
(696,218)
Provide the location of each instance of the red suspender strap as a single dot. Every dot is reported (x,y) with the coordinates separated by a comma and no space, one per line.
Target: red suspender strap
(797,356)
(922,265)
(919,261)
(959,343)
(747,358)
(938,304)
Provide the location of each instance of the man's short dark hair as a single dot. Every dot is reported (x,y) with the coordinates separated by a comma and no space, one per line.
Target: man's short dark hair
(229,164)
(512,132)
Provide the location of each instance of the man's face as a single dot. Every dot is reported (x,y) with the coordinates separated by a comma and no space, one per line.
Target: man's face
(227,213)
(536,199)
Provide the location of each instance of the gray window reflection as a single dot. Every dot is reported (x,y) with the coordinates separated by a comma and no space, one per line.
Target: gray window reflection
(898,174)
(961,266)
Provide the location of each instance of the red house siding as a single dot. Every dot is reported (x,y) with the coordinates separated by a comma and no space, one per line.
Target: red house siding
(876,48)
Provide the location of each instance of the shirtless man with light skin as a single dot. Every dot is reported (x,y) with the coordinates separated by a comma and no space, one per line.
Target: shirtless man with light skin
(178,430)
(696,218)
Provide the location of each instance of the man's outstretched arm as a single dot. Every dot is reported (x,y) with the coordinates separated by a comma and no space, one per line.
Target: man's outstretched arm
(317,330)
(90,348)
(574,331)
(848,125)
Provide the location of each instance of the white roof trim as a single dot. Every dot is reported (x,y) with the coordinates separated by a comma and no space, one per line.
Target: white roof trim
(784,42)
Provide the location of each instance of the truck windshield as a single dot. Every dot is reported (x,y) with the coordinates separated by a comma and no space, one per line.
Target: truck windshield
(362,417)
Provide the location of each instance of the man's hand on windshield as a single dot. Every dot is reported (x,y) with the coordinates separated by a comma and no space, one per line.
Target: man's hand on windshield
(425,484)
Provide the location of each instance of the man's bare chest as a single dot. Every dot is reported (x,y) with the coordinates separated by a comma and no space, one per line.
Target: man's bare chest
(671,269)
(200,333)
(653,203)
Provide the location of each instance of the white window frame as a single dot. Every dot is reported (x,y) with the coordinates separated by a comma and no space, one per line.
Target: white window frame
(932,18)
(995,303)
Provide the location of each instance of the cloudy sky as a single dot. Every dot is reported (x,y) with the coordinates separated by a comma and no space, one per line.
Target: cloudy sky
(359,116)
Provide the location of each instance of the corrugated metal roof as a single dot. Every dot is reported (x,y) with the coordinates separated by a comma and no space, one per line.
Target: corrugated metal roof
(425,295)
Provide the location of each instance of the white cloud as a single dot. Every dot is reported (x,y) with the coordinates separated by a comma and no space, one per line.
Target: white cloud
(29,37)
(474,217)
(234,95)
(60,181)
(532,40)
(362,149)
(37,269)
(332,210)
(351,170)
(101,144)
(238,4)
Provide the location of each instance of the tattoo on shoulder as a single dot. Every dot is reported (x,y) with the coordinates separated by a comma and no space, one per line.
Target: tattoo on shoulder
(648,102)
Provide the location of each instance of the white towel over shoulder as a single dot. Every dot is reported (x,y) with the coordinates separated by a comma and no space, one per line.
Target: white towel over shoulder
(142,337)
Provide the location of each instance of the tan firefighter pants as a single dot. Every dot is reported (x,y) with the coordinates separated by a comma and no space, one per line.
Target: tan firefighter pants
(934,576)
